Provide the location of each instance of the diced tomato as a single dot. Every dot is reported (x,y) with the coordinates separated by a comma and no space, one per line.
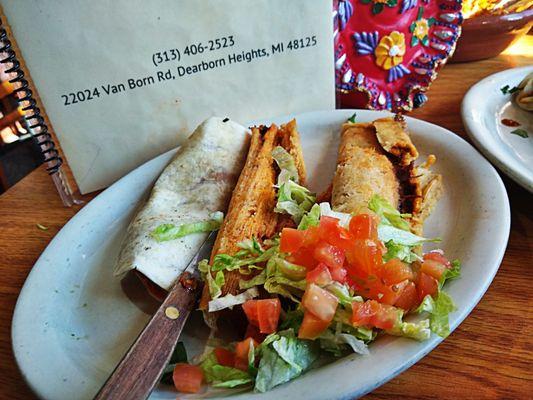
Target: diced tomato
(375,289)
(241,353)
(304,257)
(187,378)
(408,298)
(225,357)
(438,257)
(433,268)
(334,234)
(395,271)
(263,313)
(250,309)
(312,235)
(252,331)
(338,274)
(364,257)
(291,240)
(330,255)
(319,302)
(311,326)
(386,317)
(320,275)
(426,285)
(373,314)
(364,226)
(268,311)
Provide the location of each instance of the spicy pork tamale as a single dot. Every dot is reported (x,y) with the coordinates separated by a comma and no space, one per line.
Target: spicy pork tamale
(251,211)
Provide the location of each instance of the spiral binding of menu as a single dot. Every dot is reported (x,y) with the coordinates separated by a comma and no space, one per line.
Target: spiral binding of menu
(33,116)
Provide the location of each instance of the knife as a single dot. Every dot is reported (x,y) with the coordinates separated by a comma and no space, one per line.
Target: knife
(140,369)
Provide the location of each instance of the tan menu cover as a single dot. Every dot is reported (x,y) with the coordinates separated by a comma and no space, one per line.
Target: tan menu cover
(125,80)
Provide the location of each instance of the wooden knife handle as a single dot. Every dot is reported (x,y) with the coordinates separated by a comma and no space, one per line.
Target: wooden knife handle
(138,372)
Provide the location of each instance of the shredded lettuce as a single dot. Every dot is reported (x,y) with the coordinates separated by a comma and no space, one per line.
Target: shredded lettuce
(452,273)
(229,300)
(286,164)
(251,247)
(338,342)
(414,330)
(214,284)
(166,232)
(222,376)
(387,233)
(438,309)
(388,214)
(326,211)
(284,357)
(401,252)
(292,320)
(311,218)
(293,199)
(343,293)
(243,258)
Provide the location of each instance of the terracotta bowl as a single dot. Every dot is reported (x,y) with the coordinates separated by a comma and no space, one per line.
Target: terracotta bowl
(488,35)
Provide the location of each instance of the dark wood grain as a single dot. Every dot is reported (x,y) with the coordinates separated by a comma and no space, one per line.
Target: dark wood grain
(137,374)
(488,357)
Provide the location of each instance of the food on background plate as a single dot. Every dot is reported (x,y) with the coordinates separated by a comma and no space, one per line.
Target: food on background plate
(321,280)
(186,202)
(524,94)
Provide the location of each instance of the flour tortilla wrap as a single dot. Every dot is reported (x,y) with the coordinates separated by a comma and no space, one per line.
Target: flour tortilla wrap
(197,182)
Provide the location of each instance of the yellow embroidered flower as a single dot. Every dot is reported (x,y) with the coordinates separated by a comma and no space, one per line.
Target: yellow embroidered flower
(421,28)
(390,50)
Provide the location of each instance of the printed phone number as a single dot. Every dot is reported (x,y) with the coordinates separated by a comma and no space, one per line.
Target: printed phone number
(192,49)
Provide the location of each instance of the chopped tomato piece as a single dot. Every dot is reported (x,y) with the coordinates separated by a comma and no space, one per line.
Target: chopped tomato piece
(375,289)
(268,311)
(263,314)
(225,357)
(320,275)
(187,378)
(426,285)
(311,326)
(291,240)
(364,226)
(304,257)
(433,268)
(364,257)
(334,234)
(338,274)
(320,302)
(252,331)
(408,298)
(386,317)
(241,353)
(312,235)
(395,271)
(250,309)
(438,257)
(330,255)
(374,314)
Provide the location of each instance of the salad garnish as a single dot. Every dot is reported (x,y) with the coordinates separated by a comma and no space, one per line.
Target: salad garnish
(328,287)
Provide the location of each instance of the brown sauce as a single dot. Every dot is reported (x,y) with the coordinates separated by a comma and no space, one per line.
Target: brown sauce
(510,122)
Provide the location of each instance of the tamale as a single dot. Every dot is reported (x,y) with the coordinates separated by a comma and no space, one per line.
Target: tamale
(251,209)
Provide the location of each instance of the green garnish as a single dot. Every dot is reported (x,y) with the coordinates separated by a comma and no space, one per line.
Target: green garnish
(166,232)
(520,132)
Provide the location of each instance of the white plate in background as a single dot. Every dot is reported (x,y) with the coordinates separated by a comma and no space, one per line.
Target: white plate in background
(73,321)
(483,108)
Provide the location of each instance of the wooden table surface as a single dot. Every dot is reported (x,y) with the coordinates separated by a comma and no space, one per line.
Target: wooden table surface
(489,356)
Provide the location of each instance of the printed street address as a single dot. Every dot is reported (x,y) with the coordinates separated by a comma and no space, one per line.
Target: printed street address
(168,59)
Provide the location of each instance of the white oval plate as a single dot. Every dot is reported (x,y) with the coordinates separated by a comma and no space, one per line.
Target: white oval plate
(483,108)
(73,322)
